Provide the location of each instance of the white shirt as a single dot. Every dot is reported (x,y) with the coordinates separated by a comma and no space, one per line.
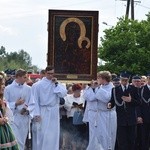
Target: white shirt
(148,86)
(69,99)
(123,87)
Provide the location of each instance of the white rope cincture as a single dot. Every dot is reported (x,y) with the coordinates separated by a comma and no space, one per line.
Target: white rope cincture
(29,134)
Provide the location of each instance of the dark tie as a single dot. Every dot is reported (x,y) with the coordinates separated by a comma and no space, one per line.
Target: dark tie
(125,91)
(125,94)
(125,88)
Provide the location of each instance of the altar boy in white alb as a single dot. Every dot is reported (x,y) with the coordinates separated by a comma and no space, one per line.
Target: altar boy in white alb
(102,122)
(47,94)
(18,96)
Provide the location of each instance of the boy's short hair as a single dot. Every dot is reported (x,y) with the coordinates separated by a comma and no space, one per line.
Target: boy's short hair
(49,68)
(20,73)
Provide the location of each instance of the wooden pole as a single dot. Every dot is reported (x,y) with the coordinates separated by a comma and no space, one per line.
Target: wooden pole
(127,9)
(132,9)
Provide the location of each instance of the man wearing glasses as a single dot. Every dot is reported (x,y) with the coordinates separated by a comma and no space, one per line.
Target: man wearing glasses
(47,94)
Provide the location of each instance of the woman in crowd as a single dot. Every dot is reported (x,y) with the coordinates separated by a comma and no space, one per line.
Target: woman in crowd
(7,139)
(73,103)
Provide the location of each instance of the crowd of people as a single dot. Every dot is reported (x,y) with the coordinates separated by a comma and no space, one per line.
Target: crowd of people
(109,113)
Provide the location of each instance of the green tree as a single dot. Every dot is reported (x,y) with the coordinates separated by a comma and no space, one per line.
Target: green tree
(2,52)
(15,60)
(126,46)
(2,57)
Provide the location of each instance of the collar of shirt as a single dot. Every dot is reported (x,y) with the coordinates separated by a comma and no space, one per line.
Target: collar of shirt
(148,86)
(123,87)
(18,84)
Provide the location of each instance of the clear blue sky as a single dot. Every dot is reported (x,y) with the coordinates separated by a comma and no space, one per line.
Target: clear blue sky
(23,23)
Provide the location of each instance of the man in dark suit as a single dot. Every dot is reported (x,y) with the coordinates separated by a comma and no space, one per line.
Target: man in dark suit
(136,81)
(145,112)
(126,98)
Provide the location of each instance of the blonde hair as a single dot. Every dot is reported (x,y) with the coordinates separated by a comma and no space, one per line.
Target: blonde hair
(143,77)
(2,75)
(105,75)
(2,79)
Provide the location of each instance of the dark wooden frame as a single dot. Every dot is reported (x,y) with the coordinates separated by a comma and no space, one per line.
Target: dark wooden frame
(58,20)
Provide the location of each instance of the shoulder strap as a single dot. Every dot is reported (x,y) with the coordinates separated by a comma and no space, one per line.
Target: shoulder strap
(117,103)
(146,101)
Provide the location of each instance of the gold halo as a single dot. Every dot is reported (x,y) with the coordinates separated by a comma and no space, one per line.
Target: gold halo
(82,39)
(66,21)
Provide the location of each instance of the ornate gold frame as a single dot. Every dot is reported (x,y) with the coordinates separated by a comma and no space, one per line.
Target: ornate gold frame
(87,24)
